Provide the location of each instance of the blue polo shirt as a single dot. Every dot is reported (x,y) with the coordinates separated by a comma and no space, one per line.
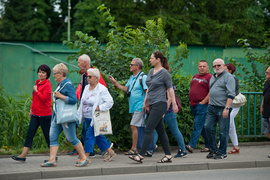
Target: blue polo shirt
(137,93)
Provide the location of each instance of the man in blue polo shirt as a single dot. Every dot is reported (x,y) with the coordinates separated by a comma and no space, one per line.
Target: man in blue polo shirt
(135,90)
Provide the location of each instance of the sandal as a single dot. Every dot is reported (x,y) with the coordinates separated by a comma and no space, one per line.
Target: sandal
(165,159)
(234,151)
(86,159)
(53,164)
(131,152)
(56,159)
(148,154)
(110,156)
(82,164)
(189,148)
(137,158)
(205,150)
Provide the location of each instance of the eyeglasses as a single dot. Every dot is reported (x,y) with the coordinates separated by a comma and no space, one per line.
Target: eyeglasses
(133,64)
(267,72)
(89,77)
(56,73)
(216,65)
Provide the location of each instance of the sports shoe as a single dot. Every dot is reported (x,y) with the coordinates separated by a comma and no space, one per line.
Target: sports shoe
(92,155)
(212,154)
(181,153)
(269,156)
(74,152)
(220,156)
(103,153)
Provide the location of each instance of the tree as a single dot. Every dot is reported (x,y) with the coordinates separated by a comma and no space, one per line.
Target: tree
(24,20)
(58,19)
(89,20)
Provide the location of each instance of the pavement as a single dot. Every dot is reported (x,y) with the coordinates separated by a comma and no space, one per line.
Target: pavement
(254,155)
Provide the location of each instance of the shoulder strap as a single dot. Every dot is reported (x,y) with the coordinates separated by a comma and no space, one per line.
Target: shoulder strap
(141,76)
(215,80)
(64,86)
(135,81)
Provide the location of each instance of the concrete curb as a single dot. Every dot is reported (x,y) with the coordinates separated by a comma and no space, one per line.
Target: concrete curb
(51,173)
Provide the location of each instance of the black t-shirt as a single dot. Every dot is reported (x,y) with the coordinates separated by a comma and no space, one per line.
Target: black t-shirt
(266,101)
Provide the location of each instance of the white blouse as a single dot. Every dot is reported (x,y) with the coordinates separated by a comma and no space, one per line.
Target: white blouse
(88,102)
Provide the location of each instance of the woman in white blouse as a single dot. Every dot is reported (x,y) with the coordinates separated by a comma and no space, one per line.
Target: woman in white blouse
(96,97)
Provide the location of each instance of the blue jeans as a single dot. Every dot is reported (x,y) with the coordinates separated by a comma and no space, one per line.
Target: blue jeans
(171,121)
(91,139)
(199,112)
(70,133)
(214,116)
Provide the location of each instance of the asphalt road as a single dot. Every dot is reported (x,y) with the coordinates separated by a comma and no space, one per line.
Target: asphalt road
(219,174)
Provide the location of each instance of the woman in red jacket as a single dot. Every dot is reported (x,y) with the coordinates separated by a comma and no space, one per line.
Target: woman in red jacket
(40,112)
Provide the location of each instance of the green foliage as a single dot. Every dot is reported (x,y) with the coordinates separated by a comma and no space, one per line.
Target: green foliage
(114,59)
(14,117)
(24,20)
(88,20)
(14,120)
(259,62)
(253,81)
(208,22)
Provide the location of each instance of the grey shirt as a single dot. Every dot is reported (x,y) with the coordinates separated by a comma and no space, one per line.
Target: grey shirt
(158,85)
(223,88)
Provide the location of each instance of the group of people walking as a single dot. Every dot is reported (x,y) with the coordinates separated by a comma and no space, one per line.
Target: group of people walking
(210,97)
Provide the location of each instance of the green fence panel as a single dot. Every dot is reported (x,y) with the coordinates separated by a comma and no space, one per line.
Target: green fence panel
(250,117)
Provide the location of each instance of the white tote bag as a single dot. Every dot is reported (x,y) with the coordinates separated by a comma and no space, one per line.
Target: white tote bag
(239,100)
(102,122)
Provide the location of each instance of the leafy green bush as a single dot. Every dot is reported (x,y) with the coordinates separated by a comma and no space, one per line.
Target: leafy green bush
(14,117)
(125,44)
(253,81)
(14,120)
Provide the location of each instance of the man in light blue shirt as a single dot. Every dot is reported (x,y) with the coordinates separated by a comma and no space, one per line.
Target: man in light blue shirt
(135,89)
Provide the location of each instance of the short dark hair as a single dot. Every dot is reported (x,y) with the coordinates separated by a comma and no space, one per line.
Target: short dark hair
(231,67)
(46,69)
(203,61)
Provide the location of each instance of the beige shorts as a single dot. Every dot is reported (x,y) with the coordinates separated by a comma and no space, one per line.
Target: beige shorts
(137,119)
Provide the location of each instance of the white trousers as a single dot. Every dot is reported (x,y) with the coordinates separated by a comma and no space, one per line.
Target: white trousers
(232,131)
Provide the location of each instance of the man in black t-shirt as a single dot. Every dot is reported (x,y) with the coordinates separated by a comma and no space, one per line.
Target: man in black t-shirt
(265,106)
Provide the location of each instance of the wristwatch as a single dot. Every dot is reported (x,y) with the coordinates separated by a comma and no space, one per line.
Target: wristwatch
(227,108)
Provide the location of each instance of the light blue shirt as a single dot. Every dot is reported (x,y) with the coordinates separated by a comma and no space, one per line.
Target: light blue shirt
(137,93)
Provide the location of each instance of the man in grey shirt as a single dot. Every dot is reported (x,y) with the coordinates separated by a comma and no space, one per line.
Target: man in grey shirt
(222,93)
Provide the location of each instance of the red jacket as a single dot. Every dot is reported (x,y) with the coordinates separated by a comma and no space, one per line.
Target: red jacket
(42,101)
